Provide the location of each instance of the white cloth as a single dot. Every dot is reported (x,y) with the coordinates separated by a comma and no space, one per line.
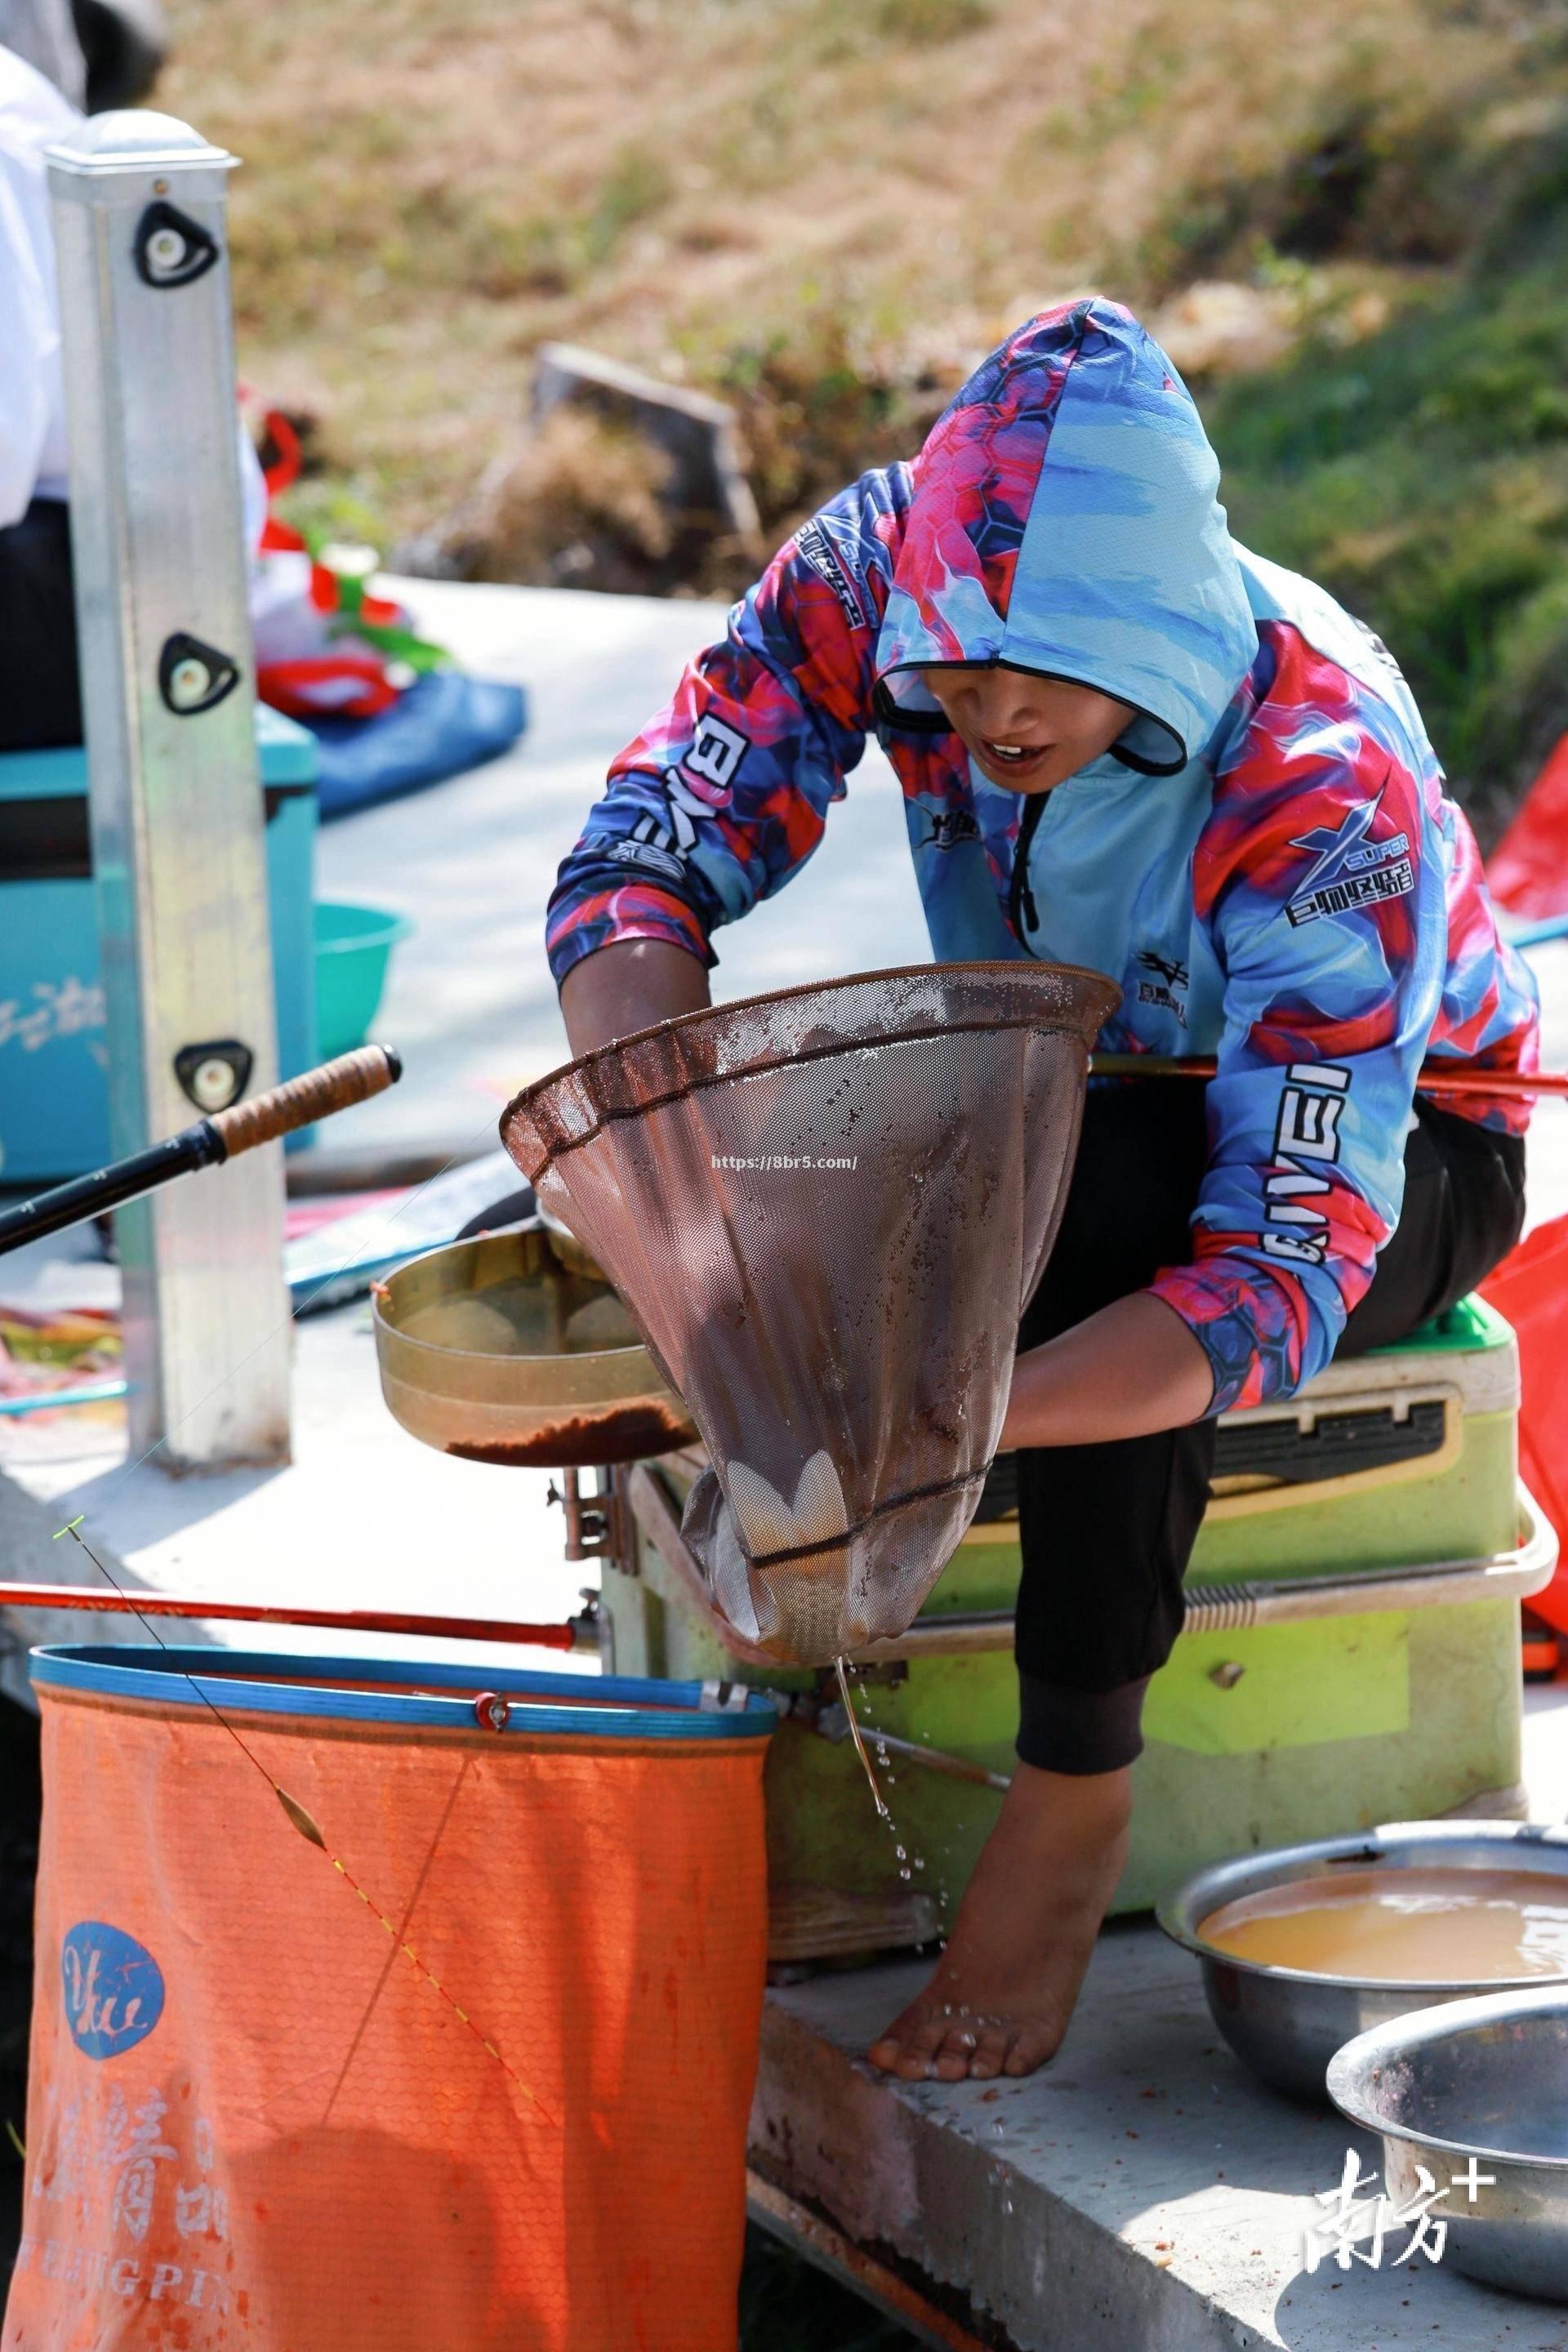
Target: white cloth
(33,115)
(44,32)
(34,451)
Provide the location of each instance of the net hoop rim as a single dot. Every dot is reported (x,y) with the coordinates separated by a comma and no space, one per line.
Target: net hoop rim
(1100,996)
(300,1684)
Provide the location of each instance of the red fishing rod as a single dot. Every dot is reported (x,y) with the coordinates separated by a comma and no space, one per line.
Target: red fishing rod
(575,1634)
(1435,1078)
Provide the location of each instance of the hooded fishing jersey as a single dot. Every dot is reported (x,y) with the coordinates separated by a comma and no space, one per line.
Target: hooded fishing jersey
(1265,861)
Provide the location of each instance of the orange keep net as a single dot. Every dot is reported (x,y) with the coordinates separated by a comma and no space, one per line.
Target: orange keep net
(255,2121)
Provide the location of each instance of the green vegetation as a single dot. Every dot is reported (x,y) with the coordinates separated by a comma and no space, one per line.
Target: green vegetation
(1422,476)
(928,21)
(825,213)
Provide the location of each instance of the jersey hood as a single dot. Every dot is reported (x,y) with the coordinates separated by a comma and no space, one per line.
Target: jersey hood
(1065,519)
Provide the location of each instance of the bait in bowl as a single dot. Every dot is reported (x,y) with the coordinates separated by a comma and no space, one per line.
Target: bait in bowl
(516,1349)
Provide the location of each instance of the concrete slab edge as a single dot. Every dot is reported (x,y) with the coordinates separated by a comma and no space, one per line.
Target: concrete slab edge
(863,2150)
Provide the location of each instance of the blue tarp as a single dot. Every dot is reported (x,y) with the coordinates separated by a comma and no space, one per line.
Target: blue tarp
(444,724)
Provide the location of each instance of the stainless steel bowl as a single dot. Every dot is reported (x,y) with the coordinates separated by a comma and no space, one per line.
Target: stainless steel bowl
(1484,2079)
(1286,2025)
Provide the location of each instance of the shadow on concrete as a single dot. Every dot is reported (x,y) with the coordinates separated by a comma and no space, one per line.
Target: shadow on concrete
(150,1504)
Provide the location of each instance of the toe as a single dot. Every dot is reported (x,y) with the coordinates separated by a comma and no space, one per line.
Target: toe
(990,2049)
(909,2044)
(922,2048)
(954,2054)
(1029,2049)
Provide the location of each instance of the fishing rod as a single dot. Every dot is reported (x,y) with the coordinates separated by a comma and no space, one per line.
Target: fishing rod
(316,1094)
(298,1102)
(1435,1078)
(574,1633)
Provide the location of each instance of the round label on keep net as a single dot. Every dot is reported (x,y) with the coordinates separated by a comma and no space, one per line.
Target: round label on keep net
(113,1989)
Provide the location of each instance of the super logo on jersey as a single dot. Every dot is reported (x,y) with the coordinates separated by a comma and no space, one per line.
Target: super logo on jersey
(1349,869)
(1170,976)
(829,544)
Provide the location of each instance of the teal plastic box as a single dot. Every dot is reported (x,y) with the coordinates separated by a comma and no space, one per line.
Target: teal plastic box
(54,1094)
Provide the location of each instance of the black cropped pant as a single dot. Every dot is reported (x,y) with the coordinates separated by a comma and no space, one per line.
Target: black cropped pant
(40,698)
(1106,1531)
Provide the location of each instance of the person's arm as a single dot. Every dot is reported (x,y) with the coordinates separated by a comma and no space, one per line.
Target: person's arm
(629,985)
(1132,1368)
(29,354)
(722,798)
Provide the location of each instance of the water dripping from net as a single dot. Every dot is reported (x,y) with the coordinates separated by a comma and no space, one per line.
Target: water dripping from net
(856,1734)
(908,1863)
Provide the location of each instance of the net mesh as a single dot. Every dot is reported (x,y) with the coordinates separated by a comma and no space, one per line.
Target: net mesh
(826,1209)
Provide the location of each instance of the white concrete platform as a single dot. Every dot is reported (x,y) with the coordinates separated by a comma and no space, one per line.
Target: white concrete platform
(1141,2194)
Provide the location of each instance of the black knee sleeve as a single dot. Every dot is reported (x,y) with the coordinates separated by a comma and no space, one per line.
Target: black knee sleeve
(1063,1730)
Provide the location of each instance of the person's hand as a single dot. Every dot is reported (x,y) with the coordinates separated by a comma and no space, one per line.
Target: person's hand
(628,985)
(1132,1368)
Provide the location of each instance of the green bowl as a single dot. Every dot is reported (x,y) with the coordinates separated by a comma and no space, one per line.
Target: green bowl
(353,948)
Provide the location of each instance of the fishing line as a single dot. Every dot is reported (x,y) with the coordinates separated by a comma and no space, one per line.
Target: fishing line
(303,1819)
(391,1961)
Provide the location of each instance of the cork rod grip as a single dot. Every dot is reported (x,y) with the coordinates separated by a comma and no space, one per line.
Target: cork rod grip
(299,1102)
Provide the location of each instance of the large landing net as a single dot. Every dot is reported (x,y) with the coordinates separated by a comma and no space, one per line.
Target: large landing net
(826,1210)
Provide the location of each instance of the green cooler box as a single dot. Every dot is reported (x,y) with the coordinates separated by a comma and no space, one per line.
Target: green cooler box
(1350,1652)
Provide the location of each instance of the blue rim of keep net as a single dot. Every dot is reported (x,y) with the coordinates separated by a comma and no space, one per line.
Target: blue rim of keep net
(255,1682)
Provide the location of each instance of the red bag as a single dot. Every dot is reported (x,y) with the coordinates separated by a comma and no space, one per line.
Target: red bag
(1528,871)
(1530,1288)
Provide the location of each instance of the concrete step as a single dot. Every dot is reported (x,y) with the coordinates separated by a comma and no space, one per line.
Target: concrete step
(1141,2194)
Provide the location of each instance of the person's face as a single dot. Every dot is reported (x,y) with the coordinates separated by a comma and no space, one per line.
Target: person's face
(1027,733)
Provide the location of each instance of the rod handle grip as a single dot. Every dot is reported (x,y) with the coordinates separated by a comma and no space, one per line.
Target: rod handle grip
(299,1102)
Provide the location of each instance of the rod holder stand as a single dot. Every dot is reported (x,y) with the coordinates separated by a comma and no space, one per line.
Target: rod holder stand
(176,816)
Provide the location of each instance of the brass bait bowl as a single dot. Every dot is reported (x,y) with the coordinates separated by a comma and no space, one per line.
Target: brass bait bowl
(516,1349)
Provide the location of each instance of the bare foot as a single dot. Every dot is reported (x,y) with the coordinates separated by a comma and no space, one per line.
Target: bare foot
(1004,1988)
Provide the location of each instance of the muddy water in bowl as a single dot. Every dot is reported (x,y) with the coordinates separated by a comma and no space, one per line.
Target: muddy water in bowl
(525,1317)
(1363,1929)
(1411,1925)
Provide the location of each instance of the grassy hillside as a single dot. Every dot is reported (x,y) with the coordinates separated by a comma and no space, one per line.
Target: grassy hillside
(1423,476)
(825,209)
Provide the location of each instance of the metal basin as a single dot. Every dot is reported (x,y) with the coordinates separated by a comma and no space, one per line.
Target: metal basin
(1486,2079)
(1285,2024)
(515,1348)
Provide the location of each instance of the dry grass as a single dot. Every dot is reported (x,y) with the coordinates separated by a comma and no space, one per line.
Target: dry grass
(722,188)
(579,497)
(1350,218)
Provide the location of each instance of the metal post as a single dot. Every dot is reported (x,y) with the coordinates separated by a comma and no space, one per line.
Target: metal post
(176,809)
